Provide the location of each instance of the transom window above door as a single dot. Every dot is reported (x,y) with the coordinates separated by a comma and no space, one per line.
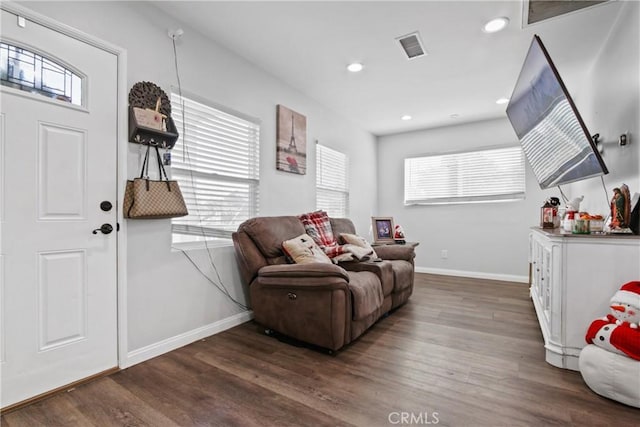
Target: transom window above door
(25,70)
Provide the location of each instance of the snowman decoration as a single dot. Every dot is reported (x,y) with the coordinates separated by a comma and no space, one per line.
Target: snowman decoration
(610,363)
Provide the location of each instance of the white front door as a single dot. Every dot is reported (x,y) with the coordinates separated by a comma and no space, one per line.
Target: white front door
(58,279)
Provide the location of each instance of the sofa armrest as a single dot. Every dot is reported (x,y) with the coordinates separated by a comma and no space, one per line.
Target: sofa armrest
(308,302)
(392,252)
(302,271)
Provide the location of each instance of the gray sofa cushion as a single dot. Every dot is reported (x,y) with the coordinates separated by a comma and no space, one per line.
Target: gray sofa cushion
(366,293)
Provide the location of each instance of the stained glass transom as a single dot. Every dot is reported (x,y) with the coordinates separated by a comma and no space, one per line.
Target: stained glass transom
(28,71)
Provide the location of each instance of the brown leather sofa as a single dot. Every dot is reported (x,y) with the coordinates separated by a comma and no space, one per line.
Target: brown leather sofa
(325,305)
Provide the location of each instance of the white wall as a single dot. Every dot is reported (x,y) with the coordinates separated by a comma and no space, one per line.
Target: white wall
(168,301)
(610,102)
(483,240)
(490,240)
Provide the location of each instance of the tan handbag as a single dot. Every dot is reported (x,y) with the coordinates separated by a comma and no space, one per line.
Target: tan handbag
(145,198)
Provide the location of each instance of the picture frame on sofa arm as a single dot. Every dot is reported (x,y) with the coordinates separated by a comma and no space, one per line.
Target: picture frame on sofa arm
(382,229)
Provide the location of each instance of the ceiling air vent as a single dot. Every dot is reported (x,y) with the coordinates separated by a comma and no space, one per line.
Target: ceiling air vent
(412,45)
(540,10)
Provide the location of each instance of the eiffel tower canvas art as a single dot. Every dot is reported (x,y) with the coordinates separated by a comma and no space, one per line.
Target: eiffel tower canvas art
(291,148)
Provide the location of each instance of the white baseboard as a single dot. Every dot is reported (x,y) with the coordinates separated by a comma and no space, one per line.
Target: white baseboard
(156,349)
(474,274)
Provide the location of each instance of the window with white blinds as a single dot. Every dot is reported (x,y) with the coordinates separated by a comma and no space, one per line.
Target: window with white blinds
(332,181)
(216,162)
(470,177)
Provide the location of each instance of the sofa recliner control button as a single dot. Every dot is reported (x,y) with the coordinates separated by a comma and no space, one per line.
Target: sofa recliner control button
(292,296)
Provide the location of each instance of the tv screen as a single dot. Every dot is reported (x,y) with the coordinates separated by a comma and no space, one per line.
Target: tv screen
(554,139)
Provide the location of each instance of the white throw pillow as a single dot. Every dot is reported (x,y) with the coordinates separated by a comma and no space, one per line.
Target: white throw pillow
(303,250)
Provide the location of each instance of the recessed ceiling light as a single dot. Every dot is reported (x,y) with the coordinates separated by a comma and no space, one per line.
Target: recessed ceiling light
(502,101)
(454,115)
(405,117)
(495,25)
(355,67)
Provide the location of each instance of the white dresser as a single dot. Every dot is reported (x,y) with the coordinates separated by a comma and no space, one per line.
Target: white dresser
(572,279)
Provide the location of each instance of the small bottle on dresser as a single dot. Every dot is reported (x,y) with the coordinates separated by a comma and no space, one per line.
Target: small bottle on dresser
(569,220)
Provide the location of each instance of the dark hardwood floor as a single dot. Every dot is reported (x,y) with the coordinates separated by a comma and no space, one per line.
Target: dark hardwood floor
(461,352)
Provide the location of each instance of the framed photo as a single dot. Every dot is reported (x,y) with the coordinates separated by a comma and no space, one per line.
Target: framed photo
(291,148)
(382,229)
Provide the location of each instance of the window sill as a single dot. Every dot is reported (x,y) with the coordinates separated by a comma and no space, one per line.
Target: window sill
(195,246)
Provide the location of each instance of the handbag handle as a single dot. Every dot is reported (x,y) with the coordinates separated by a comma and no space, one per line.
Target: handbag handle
(144,172)
(145,164)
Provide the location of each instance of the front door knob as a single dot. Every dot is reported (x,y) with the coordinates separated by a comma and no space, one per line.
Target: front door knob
(104,228)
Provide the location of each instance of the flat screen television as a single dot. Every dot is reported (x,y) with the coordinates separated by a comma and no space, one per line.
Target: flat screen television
(554,138)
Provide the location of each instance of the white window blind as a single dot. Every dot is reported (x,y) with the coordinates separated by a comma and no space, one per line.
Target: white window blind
(332,181)
(216,161)
(479,176)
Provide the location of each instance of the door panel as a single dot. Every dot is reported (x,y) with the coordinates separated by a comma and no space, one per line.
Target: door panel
(62,173)
(62,298)
(58,289)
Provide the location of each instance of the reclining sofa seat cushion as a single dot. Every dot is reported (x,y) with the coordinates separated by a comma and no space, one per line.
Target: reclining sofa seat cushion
(366,293)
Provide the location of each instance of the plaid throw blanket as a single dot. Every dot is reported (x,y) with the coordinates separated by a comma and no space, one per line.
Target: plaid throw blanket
(318,226)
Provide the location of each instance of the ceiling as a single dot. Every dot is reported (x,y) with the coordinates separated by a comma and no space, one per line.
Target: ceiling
(309,44)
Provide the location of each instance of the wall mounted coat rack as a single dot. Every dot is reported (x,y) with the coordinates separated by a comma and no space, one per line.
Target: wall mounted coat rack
(150,121)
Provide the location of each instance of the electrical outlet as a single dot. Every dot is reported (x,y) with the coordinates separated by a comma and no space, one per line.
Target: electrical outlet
(624,139)
(444,254)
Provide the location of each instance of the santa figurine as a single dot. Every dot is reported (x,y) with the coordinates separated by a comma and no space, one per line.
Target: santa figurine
(398,234)
(618,332)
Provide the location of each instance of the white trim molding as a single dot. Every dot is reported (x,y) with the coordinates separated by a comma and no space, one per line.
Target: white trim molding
(161,347)
(474,274)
